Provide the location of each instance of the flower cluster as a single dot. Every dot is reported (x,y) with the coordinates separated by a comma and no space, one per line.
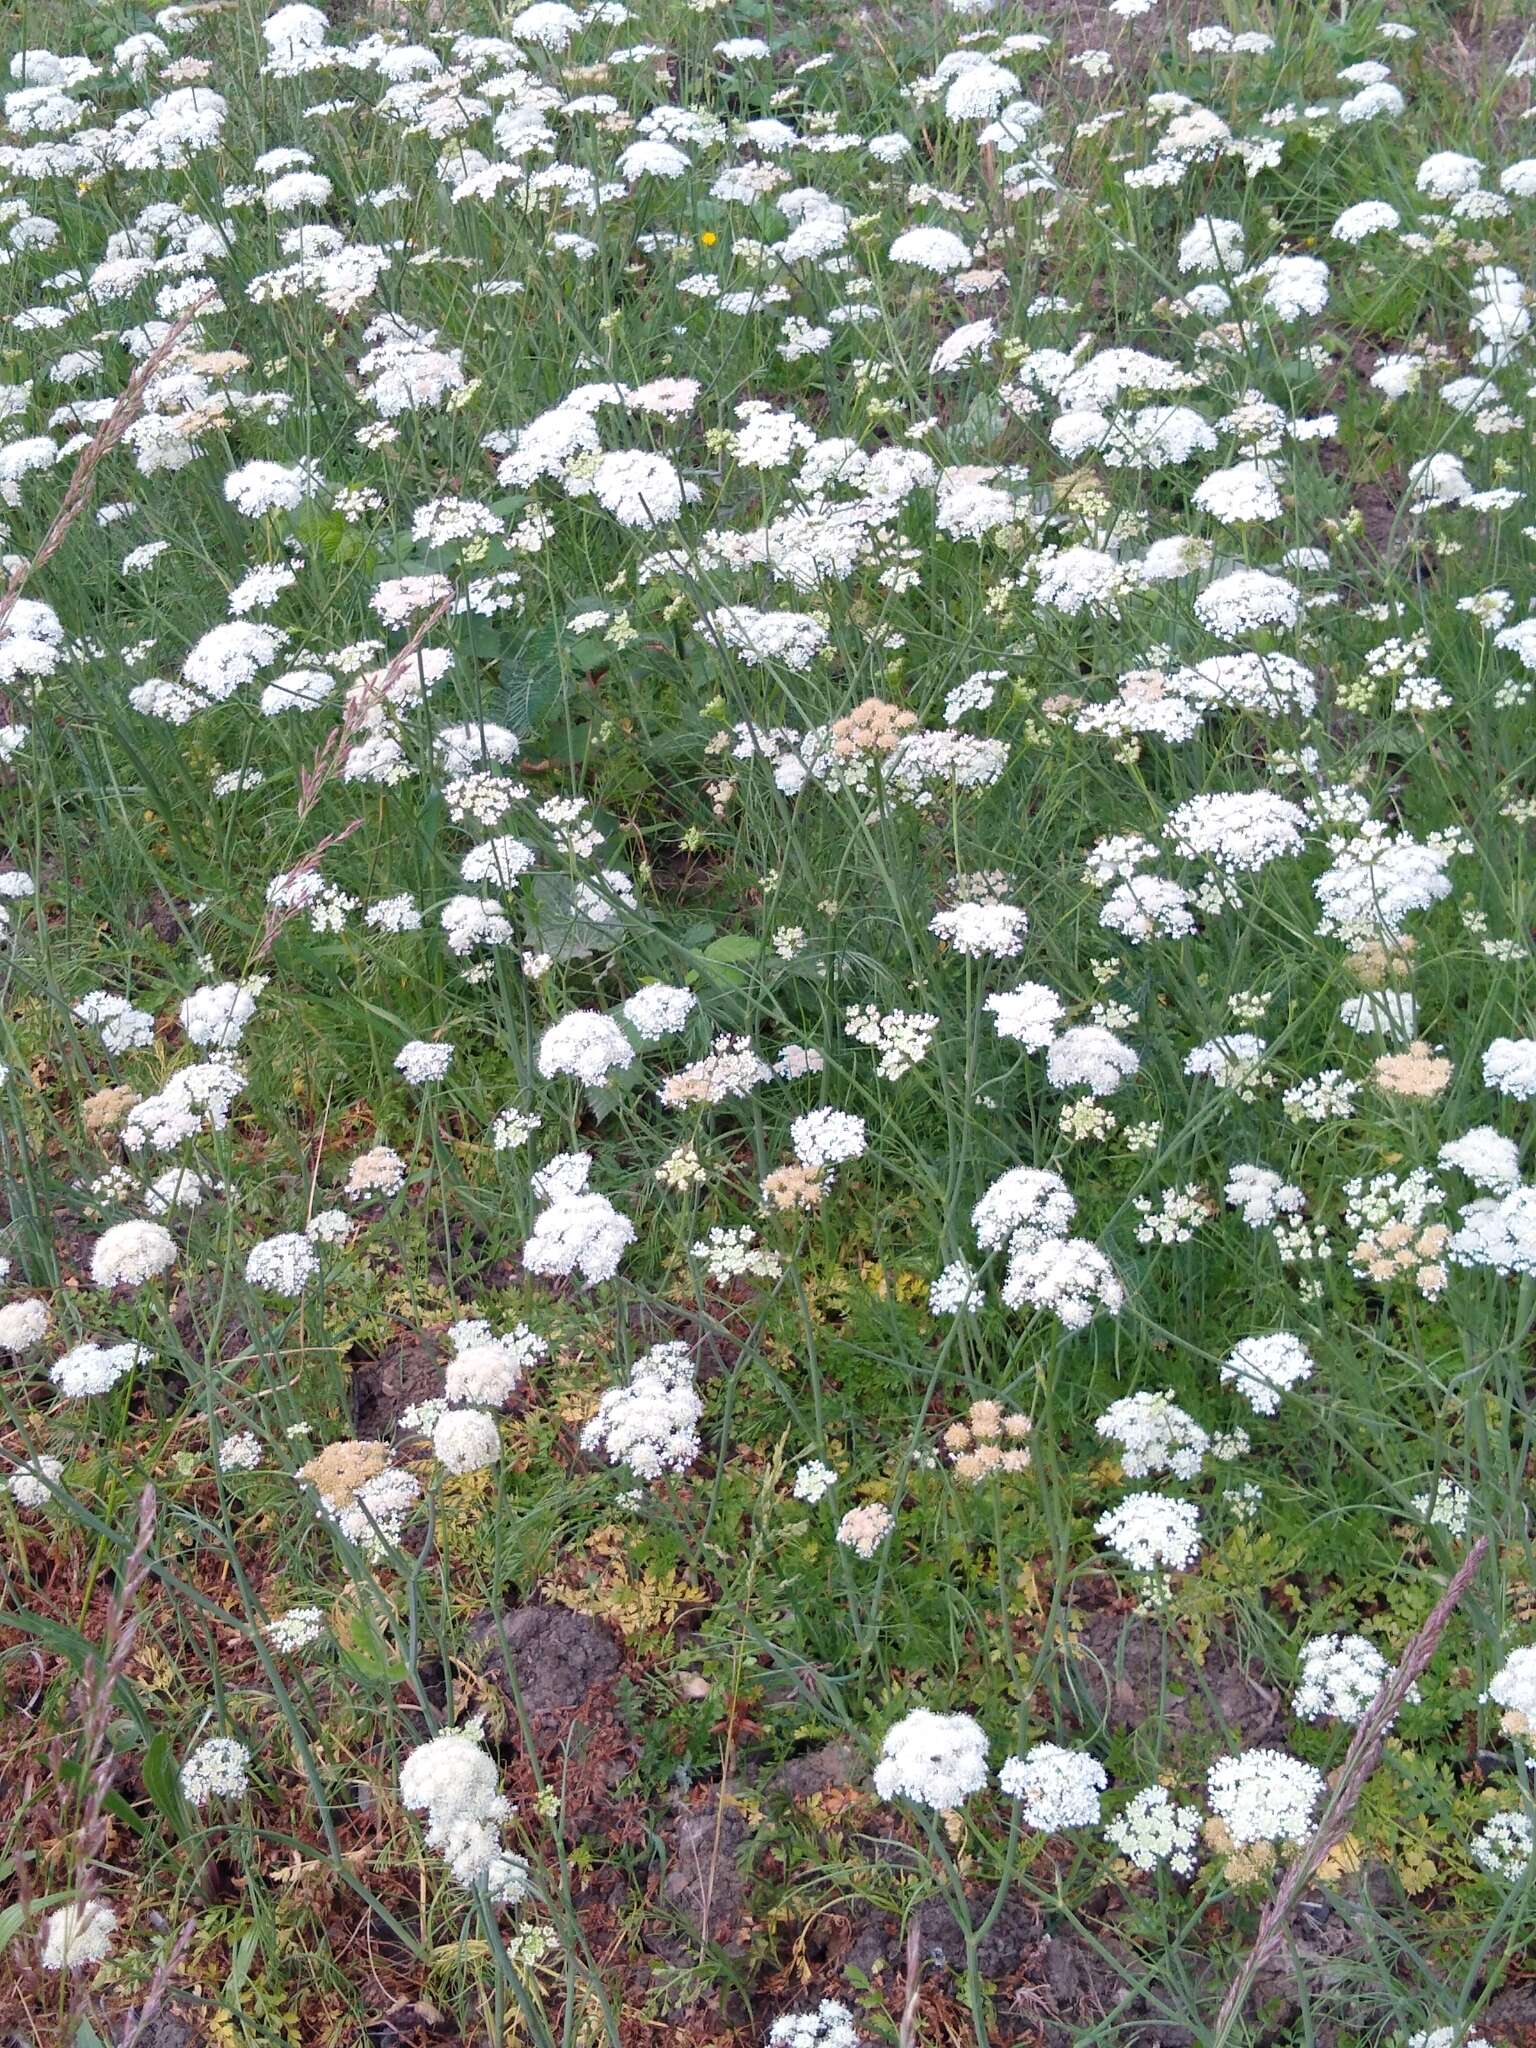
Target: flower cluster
(805,754)
(454,1782)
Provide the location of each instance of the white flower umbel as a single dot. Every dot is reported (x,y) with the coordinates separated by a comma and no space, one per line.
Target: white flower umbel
(284,1264)
(1028,1201)
(658,1010)
(453,1780)
(1264,1368)
(1503,1846)
(217,1016)
(1068,1277)
(587,1045)
(1509,1065)
(829,2026)
(95,1368)
(486,1370)
(1513,1687)
(1155,1435)
(1153,1830)
(217,1769)
(1056,1788)
(637,488)
(22,1324)
(466,1440)
(1339,1678)
(420,1061)
(935,1760)
(1152,1532)
(933,249)
(652,1423)
(129,1254)
(1265,1795)
(579,1235)
(1487,1158)
(827,1137)
(78,1936)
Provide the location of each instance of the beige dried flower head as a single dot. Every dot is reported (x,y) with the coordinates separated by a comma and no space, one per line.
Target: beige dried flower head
(191,423)
(872,727)
(337,1472)
(102,1112)
(1250,1865)
(1144,685)
(980,885)
(975,1445)
(793,1187)
(1059,706)
(217,362)
(1419,1073)
(986,1418)
(380,1171)
(1401,1251)
(1378,962)
(863,1529)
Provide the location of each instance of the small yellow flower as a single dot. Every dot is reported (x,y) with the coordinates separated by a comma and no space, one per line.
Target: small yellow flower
(708,239)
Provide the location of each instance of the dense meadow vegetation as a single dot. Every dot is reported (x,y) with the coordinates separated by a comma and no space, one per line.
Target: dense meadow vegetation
(767,779)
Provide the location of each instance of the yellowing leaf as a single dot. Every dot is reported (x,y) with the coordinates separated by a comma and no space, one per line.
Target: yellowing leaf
(1417,1871)
(1342,1858)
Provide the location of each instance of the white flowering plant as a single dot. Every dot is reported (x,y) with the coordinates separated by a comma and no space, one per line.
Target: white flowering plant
(767,1083)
